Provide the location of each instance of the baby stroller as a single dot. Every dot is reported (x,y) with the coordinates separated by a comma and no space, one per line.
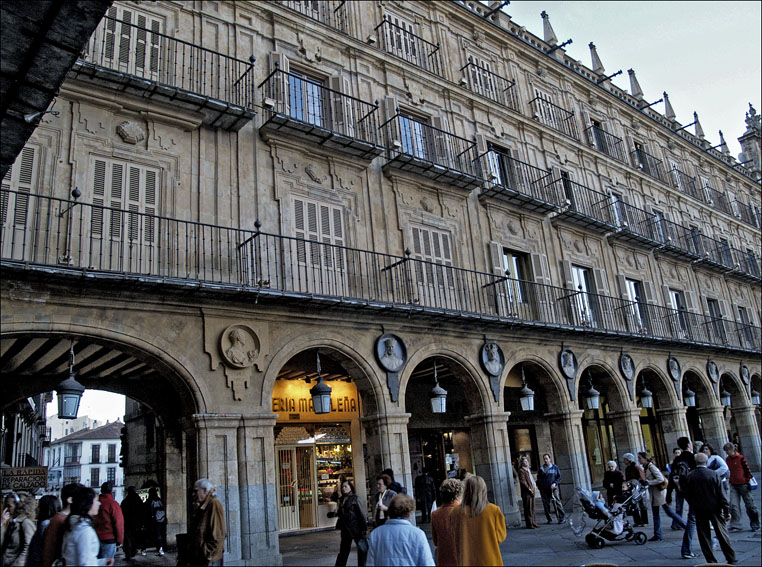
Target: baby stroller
(612,524)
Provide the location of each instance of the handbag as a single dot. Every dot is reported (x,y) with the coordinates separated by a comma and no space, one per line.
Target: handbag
(362,544)
(753,483)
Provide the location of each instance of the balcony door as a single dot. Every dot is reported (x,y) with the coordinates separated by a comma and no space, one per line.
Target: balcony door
(679,319)
(400,39)
(130,42)
(15,210)
(516,289)
(434,277)
(637,310)
(582,300)
(414,137)
(715,313)
(306,100)
(297,506)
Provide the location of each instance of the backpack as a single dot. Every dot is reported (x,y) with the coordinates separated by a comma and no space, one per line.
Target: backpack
(680,476)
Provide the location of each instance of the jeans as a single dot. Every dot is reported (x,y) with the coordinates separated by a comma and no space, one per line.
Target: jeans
(678,508)
(737,493)
(551,501)
(107,550)
(676,520)
(690,529)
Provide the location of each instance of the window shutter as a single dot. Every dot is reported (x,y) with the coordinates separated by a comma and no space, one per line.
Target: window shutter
(99,196)
(21,177)
(725,310)
(690,301)
(650,292)
(566,272)
(140,41)
(621,281)
(109,35)
(601,282)
(150,204)
(124,37)
(540,269)
(117,171)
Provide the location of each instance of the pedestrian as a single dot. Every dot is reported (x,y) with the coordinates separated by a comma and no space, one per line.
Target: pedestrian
(80,542)
(613,482)
(441,529)
(740,477)
(709,504)
(634,473)
(672,489)
(47,507)
(18,529)
(207,529)
(683,465)
(528,492)
(657,490)
(156,520)
(132,511)
(478,526)
(717,464)
(109,523)
(384,496)
(52,543)
(353,525)
(548,479)
(394,485)
(425,494)
(398,542)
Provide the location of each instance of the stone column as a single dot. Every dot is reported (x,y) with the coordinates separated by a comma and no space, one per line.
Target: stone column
(713,424)
(628,435)
(386,437)
(748,433)
(176,483)
(569,454)
(490,448)
(674,425)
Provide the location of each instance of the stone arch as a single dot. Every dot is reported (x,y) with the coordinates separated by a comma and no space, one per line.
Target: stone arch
(733,383)
(603,373)
(551,377)
(365,377)
(705,390)
(658,382)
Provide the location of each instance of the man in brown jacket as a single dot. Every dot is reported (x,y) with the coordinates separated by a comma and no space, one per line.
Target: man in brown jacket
(207,530)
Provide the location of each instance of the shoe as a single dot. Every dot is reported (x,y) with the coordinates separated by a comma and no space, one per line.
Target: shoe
(161,551)
(562,521)
(654,538)
(689,555)
(675,528)
(549,521)
(735,530)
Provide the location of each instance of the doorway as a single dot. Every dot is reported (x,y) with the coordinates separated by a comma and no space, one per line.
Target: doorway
(296,488)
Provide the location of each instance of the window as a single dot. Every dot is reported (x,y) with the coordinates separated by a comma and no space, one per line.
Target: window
(568,187)
(414,132)
(15,213)
(599,138)
(659,223)
(696,237)
(72,453)
(716,320)
(132,44)
(401,39)
(482,78)
(707,189)
(727,257)
(111,474)
(637,307)
(112,452)
(96,454)
(95,476)
(500,166)
(517,269)
(677,177)
(620,214)
(644,160)
(745,327)
(680,319)
(433,277)
(306,101)
(582,279)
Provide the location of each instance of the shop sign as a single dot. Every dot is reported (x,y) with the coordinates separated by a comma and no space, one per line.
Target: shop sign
(292,400)
(23,478)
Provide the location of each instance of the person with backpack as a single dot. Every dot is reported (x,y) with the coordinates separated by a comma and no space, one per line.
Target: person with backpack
(657,489)
(684,464)
(395,486)
(156,518)
(672,488)
(740,488)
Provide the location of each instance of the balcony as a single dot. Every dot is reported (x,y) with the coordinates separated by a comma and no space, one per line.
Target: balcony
(606,143)
(554,116)
(149,64)
(635,225)
(749,214)
(686,184)
(678,241)
(584,206)
(332,13)
(490,85)
(420,148)
(403,43)
(718,200)
(167,254)
(301,107)
(648,164)
(518,183)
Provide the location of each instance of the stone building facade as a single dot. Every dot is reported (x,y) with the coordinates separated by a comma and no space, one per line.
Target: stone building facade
(387,195)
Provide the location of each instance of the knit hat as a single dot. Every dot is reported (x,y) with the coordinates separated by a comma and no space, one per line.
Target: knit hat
(629,457)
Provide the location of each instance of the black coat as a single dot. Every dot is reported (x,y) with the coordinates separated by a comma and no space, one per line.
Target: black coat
(351,515)
(704,492)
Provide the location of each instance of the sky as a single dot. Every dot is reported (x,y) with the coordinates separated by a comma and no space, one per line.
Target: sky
(96,404)
(706,55)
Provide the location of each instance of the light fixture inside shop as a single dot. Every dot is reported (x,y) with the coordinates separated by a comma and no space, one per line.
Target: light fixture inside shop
(321,393)
(646,397)
(592,396)
(69,392)
(755,397)
(725,398)
(527,394)
(438,395)
(689,397)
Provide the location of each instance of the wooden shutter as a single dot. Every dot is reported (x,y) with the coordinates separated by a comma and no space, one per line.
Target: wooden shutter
(540,270)
(21,177)
(649,292)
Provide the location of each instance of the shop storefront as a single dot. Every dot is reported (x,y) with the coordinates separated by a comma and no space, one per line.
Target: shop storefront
(313,452)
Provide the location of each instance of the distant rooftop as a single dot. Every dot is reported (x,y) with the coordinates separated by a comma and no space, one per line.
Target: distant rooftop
(111,430)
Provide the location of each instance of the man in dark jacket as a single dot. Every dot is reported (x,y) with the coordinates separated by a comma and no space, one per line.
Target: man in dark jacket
(548,479)
(132,510)
(709,504)
(395,486)
(109,523)
(425,494)
(686,456)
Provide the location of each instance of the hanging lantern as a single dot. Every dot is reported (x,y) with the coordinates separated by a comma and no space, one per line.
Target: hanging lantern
(321,393)
(755,397)
(725,398)
(689,398)
(527,395)
(69,392)
(646,398)
(438,395)
(592,398)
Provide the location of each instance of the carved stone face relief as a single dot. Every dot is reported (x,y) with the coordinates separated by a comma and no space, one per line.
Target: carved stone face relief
(239,346)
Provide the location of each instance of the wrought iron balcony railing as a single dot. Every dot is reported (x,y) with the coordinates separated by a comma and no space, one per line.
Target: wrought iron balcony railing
(137,51)
(403,43)
(749,214)
(648,164)
(332,13)
(679,241)
(686,184)
(519,183)
(554,116)
(606,143)
(585,206)
(490,85)
(171,252)
(718,200)
(635,224)
(306,108)
(415,146)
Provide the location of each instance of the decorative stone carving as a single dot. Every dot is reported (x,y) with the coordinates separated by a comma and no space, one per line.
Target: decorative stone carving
(673,367)
(391,354)
(427,205)
(493,362)
(712,371)
(626,366)
(239,346)
(745,376)
(130,132)
(567,362)
(513,227)
(315,173)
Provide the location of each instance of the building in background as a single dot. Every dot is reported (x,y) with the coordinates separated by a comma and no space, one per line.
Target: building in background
(58,428)
(405,201)
(23,432)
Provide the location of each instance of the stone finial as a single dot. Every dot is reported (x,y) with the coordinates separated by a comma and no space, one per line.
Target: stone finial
(723,147)
(635,89)
(669,112)
(699,129)
(548,35)
(597,65)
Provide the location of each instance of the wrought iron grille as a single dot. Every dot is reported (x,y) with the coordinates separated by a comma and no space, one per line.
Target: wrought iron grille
(648,164)
(606,143)
(403,43)
(554,116)
(332,13)
(490,85)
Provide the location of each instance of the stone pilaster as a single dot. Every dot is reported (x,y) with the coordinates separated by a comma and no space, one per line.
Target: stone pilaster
(386,438)
(627,432)
(713,424)
(569,453)
(748,433)
(176,495)
(490,448)
(674,425)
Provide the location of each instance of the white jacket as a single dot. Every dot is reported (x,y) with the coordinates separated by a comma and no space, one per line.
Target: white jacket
(80,544)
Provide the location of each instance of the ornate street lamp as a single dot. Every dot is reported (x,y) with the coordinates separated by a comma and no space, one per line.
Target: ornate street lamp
(689,397)
(646,397)
(69,392)
(438,395)
(725,398)
(592,396)
(321,393)
(755,397)
(527,395)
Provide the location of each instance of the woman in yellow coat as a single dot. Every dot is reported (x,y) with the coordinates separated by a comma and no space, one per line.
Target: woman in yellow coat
(478,527)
